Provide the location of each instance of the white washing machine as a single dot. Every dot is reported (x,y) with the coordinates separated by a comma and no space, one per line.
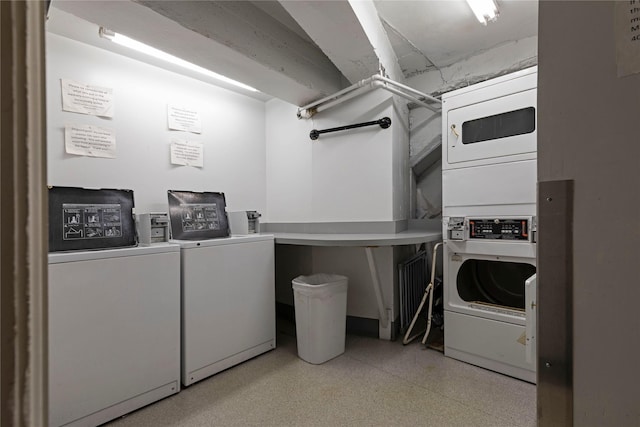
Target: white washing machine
(114,332)
(489,176)
(228,302)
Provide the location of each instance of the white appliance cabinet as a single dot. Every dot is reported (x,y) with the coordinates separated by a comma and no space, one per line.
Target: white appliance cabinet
(114,332)
(228,303)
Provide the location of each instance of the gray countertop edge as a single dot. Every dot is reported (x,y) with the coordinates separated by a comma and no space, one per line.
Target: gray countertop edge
(408,237)
(352,227)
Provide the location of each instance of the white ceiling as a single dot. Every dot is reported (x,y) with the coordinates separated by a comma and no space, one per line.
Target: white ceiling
(437,33)
(302,50)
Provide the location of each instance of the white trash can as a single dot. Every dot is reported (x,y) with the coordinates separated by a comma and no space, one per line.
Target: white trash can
(321,316)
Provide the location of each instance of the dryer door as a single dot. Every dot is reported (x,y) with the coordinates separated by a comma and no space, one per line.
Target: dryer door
(492,131)
(531,311)
(498,283)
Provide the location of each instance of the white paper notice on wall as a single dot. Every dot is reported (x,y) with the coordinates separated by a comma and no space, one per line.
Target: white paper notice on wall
(183,118)
(627,33)
(93,141)
(187,153)
(86,99)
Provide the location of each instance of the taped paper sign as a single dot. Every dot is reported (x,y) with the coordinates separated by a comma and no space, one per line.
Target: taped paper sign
(182,118)
(187,153)
(94,141)
(86,99)
(627,34)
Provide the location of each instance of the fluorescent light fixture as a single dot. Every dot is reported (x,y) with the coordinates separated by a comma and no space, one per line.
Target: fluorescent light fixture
(485,10)
(156,53)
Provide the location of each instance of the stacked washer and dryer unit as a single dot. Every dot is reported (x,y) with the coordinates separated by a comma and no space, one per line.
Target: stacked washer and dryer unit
(489,224)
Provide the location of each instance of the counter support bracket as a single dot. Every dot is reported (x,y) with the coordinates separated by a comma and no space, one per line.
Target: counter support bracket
(385,327)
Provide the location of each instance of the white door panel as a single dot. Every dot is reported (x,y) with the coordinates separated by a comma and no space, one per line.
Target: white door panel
(495,150)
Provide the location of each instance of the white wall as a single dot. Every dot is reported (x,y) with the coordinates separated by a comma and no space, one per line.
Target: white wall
(355,175)
(588,132)
(233,128)
(342,176)
(260,156)
(350,262)
(288,164)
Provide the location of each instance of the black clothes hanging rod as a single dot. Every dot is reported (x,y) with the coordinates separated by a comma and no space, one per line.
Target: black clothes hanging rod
(384,123)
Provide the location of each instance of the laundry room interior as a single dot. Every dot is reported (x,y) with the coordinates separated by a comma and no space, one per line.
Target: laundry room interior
(349,212)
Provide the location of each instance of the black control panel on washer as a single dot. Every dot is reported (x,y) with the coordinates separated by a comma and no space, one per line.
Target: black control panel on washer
(504,229)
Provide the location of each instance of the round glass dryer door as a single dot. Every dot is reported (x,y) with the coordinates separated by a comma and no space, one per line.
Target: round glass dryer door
(493,282)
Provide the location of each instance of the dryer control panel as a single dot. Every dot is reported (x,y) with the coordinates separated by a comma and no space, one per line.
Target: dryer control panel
(499,229)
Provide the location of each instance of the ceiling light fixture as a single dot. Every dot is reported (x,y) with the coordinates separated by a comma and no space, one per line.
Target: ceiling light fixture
(485,10)
(156,53)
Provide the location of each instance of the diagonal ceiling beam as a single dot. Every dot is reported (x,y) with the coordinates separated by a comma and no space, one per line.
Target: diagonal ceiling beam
(350,34)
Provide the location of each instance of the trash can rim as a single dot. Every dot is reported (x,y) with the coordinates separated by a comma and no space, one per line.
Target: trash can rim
(327,279)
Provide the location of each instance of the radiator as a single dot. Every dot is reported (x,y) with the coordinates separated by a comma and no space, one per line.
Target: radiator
(413,278)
